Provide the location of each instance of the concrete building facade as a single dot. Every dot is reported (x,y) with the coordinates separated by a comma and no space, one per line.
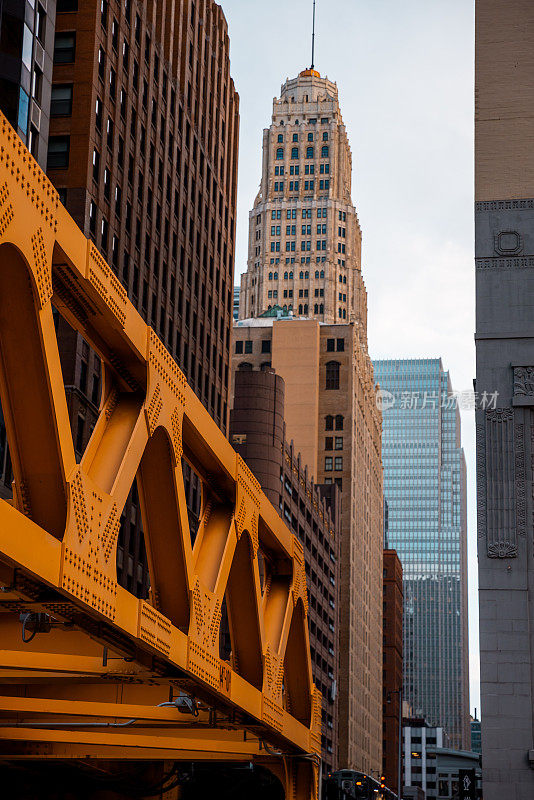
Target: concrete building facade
(504,252)
(432,768)
(313,512)
(334,423)
(304,236)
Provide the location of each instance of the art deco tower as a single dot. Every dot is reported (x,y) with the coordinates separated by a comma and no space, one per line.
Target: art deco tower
(304,255)
(304,235)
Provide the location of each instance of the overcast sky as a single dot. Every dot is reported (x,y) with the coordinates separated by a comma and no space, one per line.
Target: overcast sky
(405,78)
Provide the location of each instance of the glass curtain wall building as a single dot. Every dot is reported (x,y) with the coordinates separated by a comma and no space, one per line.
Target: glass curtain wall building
(425,491)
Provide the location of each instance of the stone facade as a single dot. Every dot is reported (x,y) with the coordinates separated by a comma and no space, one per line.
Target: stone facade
(304,235)
(505,365)
(333,421)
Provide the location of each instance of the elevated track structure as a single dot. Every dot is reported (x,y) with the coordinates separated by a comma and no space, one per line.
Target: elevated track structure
(88,671)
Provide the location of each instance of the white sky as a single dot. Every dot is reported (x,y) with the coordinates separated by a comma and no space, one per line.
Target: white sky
(405,77)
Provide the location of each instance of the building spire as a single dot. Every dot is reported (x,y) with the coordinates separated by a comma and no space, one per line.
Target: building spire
(313,38)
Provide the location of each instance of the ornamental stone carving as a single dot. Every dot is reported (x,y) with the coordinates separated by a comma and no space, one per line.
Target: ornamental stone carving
(523,385)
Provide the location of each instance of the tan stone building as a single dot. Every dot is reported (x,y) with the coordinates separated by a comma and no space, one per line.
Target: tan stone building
(304,235)
(332,418)
(305,264)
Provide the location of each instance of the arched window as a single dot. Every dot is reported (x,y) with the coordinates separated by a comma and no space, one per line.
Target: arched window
(316,308)
(290,276)
(294,152)
(276,276)
(305,308)
(316,273)
(280,137)
(309,152)
(300,308)
(321,309)
(290,307)
(285,276)
(306,274)
(324,151)
(270,276)
(329,423)
(279,153)
(301,276)
(285,306)
(332,375)
(245,366)
(339,422)
(322,273)
(325,136)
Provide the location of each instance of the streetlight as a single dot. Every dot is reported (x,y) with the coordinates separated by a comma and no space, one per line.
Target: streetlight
(399,765)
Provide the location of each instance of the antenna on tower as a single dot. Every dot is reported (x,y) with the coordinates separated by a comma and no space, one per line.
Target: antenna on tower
(313,38)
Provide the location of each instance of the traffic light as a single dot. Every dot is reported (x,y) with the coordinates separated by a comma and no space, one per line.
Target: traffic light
(382,782)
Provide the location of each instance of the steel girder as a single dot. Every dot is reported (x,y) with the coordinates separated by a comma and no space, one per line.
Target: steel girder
(58,536)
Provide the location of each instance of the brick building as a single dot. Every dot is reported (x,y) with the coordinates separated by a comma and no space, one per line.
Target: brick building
(392,665)
(257,432)
(143,151)
(332,418)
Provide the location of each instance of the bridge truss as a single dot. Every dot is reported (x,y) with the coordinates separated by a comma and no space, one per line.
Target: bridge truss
(107,675)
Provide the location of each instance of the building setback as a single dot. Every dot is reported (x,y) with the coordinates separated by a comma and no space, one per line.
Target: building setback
(257,432)
(143,151)
(333,421)
(392,666)
(425,489)
(504,252)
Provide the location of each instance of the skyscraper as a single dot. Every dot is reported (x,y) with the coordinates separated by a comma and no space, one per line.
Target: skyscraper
(425,489)
(304,236)
(304,261)
(504,252)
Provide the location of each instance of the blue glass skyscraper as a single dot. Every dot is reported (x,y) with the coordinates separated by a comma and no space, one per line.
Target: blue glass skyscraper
(425,491)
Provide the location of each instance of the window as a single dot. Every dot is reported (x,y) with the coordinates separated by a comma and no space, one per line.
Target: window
(324,151)
(340,345)
(328,443)
(61,100)
(329,423)
(328,464)
(280,137)
(96,165)
(309,152)
(338,463)
(24,106)
(339,443)
(248,346)
(339,422)
(239,347)
(332,375)
(325,136)
(266,346)
(330,345)
(65,47)
(58,152)
(279,153)
(66,5)
(294,152)
(295,137)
